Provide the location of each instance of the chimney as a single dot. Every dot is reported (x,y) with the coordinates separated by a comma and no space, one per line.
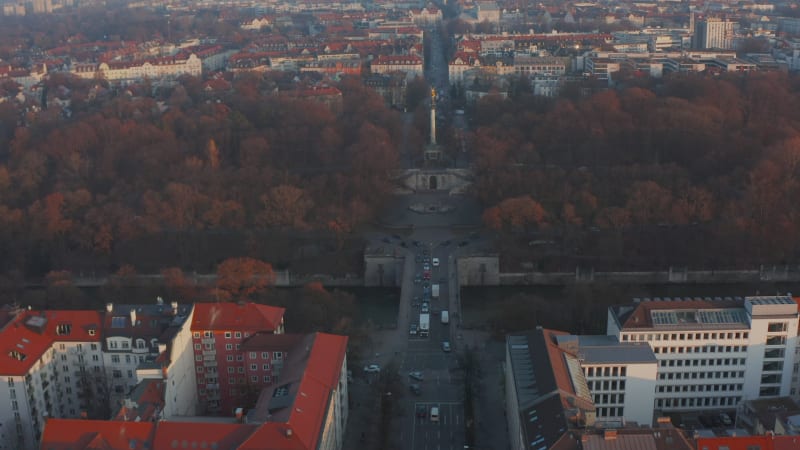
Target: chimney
(133,317)
(288,433)
(174,308)
(109,307)
(609,435)
(239,414)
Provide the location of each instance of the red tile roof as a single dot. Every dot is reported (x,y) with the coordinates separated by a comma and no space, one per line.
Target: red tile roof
(767,442)
(320,377)
(31,333)
(194,435)
(76,434)
(236,316)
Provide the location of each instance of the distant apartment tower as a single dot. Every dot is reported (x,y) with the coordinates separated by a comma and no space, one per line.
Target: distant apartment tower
(713,354)
(714,33)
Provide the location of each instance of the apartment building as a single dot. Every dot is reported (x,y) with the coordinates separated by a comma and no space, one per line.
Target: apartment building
(48,366)
(411,65)
(126,72)
(549,405)
(132,336)
(218,333)
(620,376)
(713,33)
(714,353)
(303,408)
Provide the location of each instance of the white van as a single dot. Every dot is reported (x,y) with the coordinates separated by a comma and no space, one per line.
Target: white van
(434,414)
(445,317)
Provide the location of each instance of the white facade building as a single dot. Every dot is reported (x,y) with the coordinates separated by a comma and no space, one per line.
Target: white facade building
(49,360)
(713,354)
(621,377)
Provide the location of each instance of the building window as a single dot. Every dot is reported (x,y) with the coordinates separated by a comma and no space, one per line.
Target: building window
(199,369)
(117,373)
(266,366)
(196,334)
(267,378)
(198,347)
(254,378)
(277,355)
(127,359)
(208,334)
(231,369)
(239,357)
(130,374)
(241,369)
(230,358)
(253,366)
(115,359)
(229,347)
(253,355)
(264,355)
(227,335)
(198,357)
(237,335)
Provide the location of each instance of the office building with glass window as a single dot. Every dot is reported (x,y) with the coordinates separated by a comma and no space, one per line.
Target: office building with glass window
(714,353)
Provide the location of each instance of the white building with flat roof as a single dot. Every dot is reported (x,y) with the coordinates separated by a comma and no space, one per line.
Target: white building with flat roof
(713,354)
(621,377)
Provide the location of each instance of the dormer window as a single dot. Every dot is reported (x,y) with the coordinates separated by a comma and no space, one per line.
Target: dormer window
(92,331)
(19,356)
(63,329)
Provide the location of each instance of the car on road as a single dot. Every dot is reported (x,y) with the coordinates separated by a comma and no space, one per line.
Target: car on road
(372,368)
(426,267)
(422,411)
(435,262)
(426,308)
(415,389)
(413,330)
(434,414)
(725,419)
(416,375)
(446,346)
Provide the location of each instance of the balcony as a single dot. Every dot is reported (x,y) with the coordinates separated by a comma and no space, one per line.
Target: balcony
(210,363)
(208,341)
(209,353)
(212,386)
(774,353)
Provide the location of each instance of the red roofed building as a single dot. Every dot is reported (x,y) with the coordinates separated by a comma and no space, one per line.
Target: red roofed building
(218,331)
(767,442)
(411,65)
(46,361)
(67,434)
(305,408)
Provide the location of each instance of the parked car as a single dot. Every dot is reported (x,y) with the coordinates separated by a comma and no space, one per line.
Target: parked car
(426,307)
(422,411)
(416,375)
(435,262)
(426,267)
(446,346)
(434,414)
(413,330)
(372,368)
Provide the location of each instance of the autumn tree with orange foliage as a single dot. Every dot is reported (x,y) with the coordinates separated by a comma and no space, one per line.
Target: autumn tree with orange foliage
(239,278)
